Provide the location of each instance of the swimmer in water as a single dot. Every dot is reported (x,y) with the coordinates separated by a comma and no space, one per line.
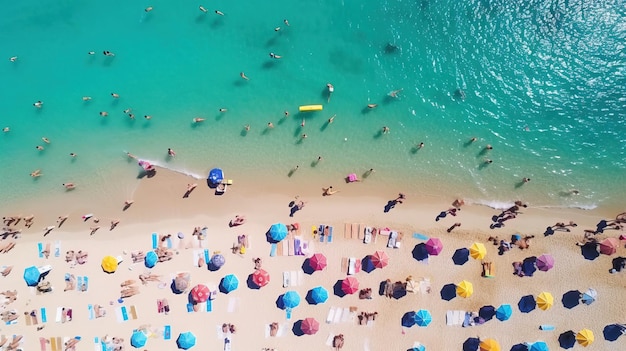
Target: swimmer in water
(203,9)
(270,125)
(6,129)
(13,59)
(69,186)
(147,117)
(219,12)
(45,140)
(36,173)
(286,114)
(38,104)
(331,119)
(331,89)
(128,110)
(39,147)
(73,154)
(276,29)
(115,95)
(104,113)
(394,93)
(302,124)
(472,139)
(274,56)
(385,130)
(86,98)
(171,152)
(108,53)
(223,110)
(247,127)
(286,23)
(91,53)
(149,8)
(198,120)
(243,75)
(370,106)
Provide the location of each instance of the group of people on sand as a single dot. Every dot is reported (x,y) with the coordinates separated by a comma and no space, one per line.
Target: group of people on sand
(114,343)
(74,258)
(10,296)
(15,220)
(366,317)
(70,283)
(12,344)
(128,289)
(510,213)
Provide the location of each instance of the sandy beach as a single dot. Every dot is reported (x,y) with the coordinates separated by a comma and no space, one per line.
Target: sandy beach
(159,207)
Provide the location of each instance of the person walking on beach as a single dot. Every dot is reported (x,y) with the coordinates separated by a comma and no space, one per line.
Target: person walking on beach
(455,225)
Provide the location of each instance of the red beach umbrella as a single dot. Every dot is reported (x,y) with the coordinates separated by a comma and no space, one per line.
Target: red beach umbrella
(260,277)
(609,246)
(317,261)
(380,259)
(434,246)
(200,293)
(350,285)
(310,326)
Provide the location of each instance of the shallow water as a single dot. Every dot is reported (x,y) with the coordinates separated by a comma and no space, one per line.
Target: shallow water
(543,83)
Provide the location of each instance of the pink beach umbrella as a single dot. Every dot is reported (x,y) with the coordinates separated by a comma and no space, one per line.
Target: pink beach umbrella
(434,246)
(350,285)
(200,293)
(380,259)
(609,246)
(310,326)
(260,277)
(317,261)
(545,262)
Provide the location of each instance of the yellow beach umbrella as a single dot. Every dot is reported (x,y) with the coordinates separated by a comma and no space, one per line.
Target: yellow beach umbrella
(489,345)
(545,301)
(109,264)
(465,289)
(585,337)
(478,251)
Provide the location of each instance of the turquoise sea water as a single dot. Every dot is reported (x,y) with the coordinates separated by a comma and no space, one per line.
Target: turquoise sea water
(544,84)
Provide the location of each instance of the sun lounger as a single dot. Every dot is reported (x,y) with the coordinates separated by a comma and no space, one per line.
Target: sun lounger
(425,286)
(57,249)
(347,231)
(331,315)
(59,315)
(368,235)
(79,282)
(86,282)
(28,319)
(97,344)
(189,307)
(338,314)
(294,278)
(391,242)
(286,279)
(53,344)
(290,247)
(345,315)
(320,232)
(329,237)
(209,305)
(43,343)
(122,314)
(220,333)
(329,340)
(355,231)
(44,315)
(361,232)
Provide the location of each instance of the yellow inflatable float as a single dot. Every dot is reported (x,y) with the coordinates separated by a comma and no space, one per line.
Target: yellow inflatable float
(310,108)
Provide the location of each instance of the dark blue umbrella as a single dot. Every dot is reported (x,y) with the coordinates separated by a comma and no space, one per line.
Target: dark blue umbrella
(460,256)
(539,346)
(32,275)
(317,295)
(527,303)
(471,344)
(151,260)
(367,265)
(448,292)
(519,347)
(487,312)
(186,340)
(613,331)
(571,299)
(216,176)
(218,260)
(567,340)
(408,319)
(528,266)
(590,251)
(278,232)
(420,252)
(504,312)
(138,339)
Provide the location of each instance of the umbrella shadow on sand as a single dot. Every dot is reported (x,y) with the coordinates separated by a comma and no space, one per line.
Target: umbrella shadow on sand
(367,265)
(280,303)
(297,328)
(251,284)
(306,267)
(337,290)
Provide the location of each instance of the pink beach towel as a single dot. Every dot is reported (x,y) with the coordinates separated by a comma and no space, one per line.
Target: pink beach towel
(352,177)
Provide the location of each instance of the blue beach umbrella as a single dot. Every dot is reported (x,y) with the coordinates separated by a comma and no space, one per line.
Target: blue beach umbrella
(278,232)
(408,319)
(567,340)
(460,256)
(186,340)
(423,318)
(589,296)
(487,312)
(138,339)
(216,175)
(590,251)
(420,252)
(291,299)
(218,260)
(529,266)
(471,344)
(229,283)
(519,347)
(417,347)
(504,312)
(317,295)
(448,292)
(32,275)
(527,303)
(151,259)
(539,346)
(613,331)
(571,299)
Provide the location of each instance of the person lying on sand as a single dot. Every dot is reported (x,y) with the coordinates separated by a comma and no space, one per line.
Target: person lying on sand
(329,191)
(70,282)
(71,344)
(81,257)
(6,271)
(46,251)
(129,291)
(138,256)
(164,254)
(238,220)
(128,282)
(99,311)
(7,247)
(145,278)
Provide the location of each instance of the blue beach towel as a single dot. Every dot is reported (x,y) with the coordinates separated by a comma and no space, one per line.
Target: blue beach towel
(79,282)
(167,333)
(91,314)
(189,307)
(44,316)
(155,242)
(209,306)
(40,248)
(207,257)
(419,236)
(546,327)
(320,231)
(330,235)
(86,282)
(273,250)
(57,249)
(124,313)
(169,243)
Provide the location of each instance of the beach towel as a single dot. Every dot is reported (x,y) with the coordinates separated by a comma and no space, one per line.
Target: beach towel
(546,327)
(189,307)
(207,256)
(59,315)
(86,283)
(220,333)
(40,249)
(320,232)
(232,304)
(331,315)
(345,315)
(53,344)
(288,312)
(329,339)
(91,311)
(28,319)
(79,282)
(273,250)
(167,332)
(197,255)
(297,246)
(121,314)
(155,240)
(44,315)
(366,344)
(209,305)
(286,279)
(97,344)
(289,243)
(329,239)
(294,278)
(419,236)
(133,312)
(347,231)
(43,343)
(57,249)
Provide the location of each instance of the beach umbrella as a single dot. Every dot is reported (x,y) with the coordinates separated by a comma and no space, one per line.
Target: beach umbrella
(545,262)
(32,275)
(186,340)
(109,264)
(350,285)
(408,319)
(380,259)
(151,259)
(216,176)
(539,346)
(609,246)
(420,252)
(317,261)
(218,260)
(519,347)
(478,251)
(317,295)
(367,265)
(291,299)
(487,312)
(278,232)
(589,296)
(423,318)
(229,283)
(590,251)
(545,301)
(200,293)
(417,347)
(571,299)
(527,303)
(471,344)
(460,256)
(613,331)
(528,266)
(181,283)
(489,345)
(465,289)
(138,339)
(310,326)
(434,246)
(585,337)
(567,339)
(504,312)
(260,277)
(448,292)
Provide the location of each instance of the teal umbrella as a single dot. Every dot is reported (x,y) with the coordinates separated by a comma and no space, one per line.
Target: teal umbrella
(504,312)
(278,232)
(539,346)
(291,299)
(186,340)
(138,339)
(32,275)
(229,283)
(317,295)
(151,259)
(423,318)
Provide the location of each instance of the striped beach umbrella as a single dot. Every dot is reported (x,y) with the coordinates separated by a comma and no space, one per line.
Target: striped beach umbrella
(585,337)
(478,251)
(465,289)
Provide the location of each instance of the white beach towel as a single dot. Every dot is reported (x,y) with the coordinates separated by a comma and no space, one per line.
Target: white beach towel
(331,315)
(366,345)
(338,313)
(233,302)
(220,333)
(425,287)
(286,279)
(300,278)
(57,249)
(59,315)
(345,316)
(197,255)
(329,339)
(294,278)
